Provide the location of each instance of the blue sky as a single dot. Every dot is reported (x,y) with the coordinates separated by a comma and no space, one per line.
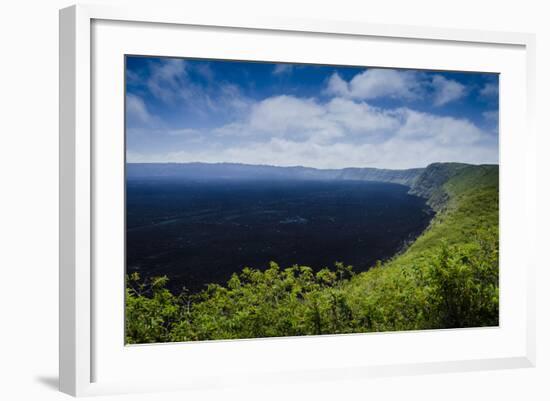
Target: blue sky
(184,110)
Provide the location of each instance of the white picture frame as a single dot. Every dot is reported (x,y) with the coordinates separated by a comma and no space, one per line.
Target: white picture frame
(87,365)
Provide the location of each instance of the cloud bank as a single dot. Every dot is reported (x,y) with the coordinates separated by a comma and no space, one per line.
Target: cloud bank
(341,127)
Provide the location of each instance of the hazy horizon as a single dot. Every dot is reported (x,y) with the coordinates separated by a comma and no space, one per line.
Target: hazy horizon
(308,167)
(324,117)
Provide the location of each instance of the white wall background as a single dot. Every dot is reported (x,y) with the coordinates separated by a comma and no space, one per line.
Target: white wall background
(29,186)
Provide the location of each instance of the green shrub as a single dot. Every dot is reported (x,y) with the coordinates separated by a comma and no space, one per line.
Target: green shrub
(448,278)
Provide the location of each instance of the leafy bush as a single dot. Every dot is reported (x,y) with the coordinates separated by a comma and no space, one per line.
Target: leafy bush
(463,284)
(455,286)
(151,310)
(448,278)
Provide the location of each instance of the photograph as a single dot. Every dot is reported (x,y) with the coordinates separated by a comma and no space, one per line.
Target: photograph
(276,199)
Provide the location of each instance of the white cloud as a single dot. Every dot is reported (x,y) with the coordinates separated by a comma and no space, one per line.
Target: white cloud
(406,85)
(280,69)
(337,86)
(136,110)
(360,117)
(302,119)
(374,83)
(394,153)
(205,71)
(444,131)
(286,116)
(489,90)
(183,132)
(231,98)
(167,78)
(287,130)
(133,77)
(491,116)
(446,90)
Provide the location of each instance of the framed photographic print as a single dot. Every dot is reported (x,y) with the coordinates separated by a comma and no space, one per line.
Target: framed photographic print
(276,200)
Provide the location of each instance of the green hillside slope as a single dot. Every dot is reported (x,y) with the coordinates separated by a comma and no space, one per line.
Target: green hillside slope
(447,278)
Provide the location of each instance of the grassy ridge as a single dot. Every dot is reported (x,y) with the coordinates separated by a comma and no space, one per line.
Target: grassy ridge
(454,261)
(471,203)
(447,278)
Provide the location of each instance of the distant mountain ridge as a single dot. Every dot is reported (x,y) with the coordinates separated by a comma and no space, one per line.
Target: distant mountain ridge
(433,183)
(447,278)
(425,182)
(209,171)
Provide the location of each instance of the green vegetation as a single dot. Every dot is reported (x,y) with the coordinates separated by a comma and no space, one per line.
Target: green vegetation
(447,278)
